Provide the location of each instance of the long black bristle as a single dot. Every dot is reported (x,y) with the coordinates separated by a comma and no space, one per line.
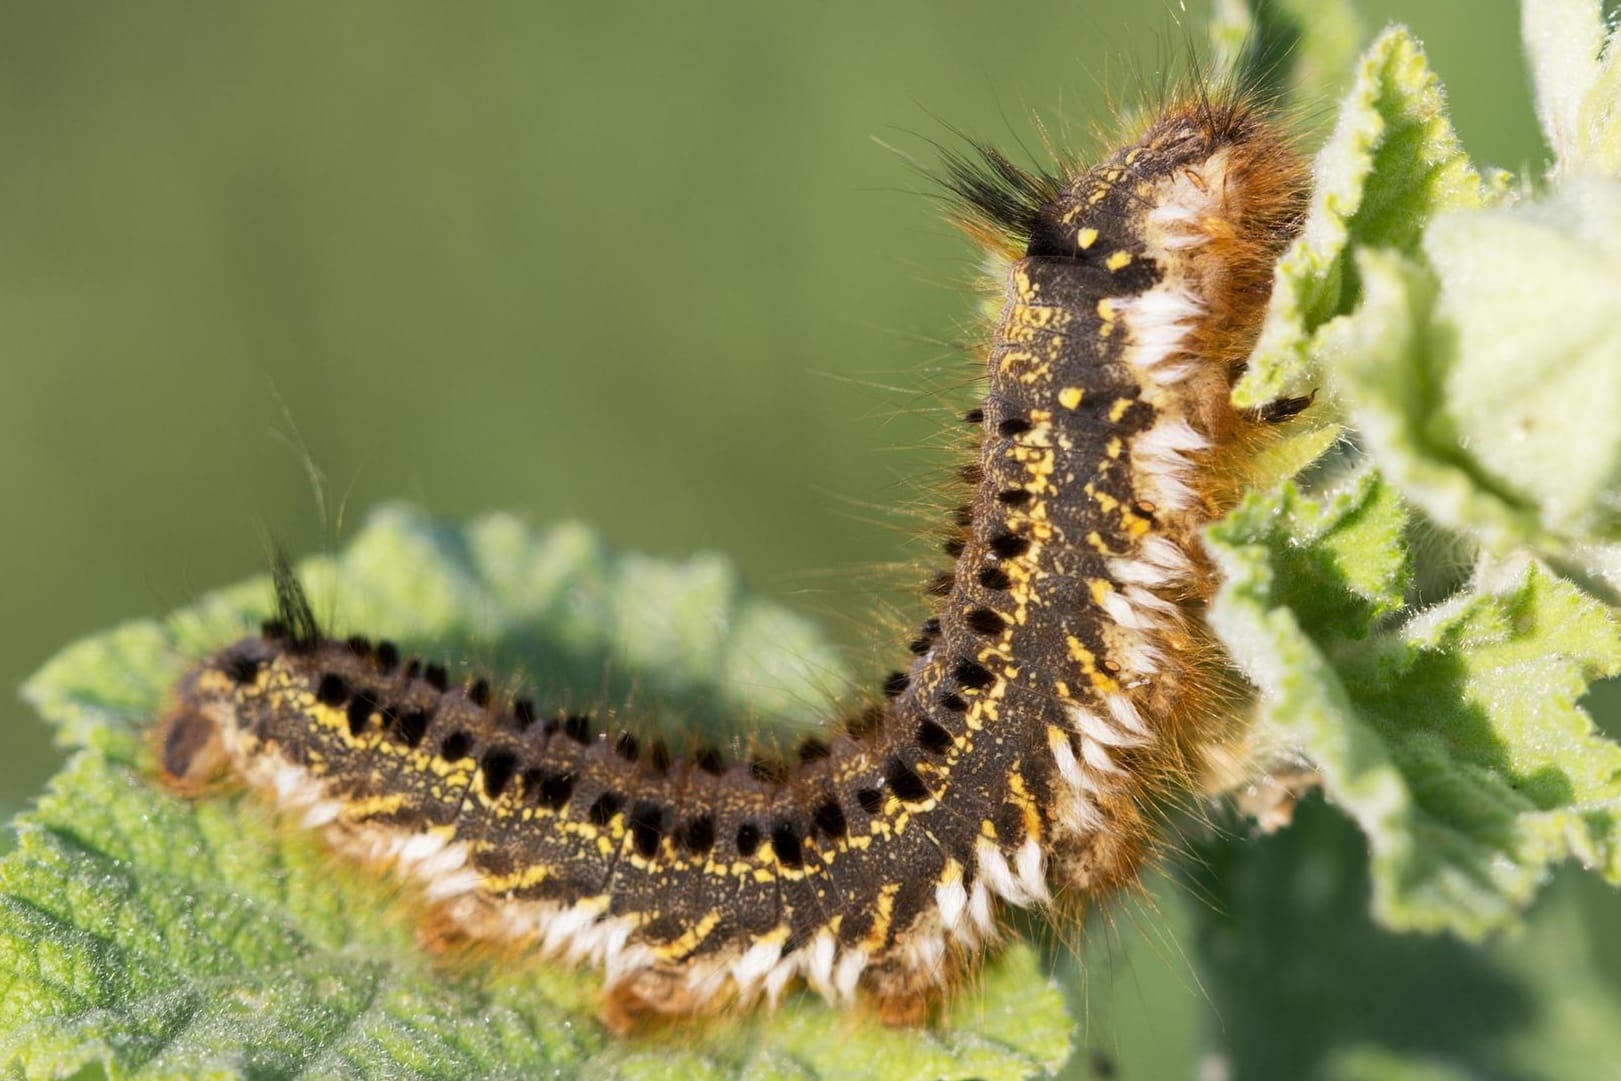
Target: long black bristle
(992,189)
(294,616)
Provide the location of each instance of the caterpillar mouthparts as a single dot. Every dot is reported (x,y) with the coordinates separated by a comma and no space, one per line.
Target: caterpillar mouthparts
(1063,688)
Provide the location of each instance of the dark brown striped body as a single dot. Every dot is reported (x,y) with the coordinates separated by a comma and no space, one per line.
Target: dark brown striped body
(1052,700)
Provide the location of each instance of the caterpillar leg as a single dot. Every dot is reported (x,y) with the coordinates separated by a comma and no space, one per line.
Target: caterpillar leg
(649,996)
(191,753)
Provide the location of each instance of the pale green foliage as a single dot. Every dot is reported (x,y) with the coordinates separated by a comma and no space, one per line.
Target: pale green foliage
(1468,335)
(1450,734)
(169,938)
(1576,82)
(1484,374)
(1392,162)
(1398,606)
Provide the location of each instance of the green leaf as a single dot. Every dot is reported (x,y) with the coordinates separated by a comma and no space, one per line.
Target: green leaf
(167,938)
(1576,76)
(1391,163)
(1486,384)
(1451,735)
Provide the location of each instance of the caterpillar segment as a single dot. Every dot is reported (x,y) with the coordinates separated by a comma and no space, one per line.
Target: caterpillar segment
(1058,694)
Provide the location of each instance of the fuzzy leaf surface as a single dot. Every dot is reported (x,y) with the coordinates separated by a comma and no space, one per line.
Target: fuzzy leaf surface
(1392,162)
(1576,80)
(1485,375)
(1451,734)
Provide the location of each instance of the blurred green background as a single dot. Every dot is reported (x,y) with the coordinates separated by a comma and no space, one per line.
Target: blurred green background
(645,265)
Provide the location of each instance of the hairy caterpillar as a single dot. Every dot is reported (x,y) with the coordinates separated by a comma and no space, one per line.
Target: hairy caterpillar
(1064,686)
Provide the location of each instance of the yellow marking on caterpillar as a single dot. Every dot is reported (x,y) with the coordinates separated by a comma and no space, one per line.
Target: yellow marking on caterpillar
(1024,287)
(368,806)
(690,939)
(1101,588)
(1056,738)
(1015,357)
(517,880)
(1104,682)
(1039,316)
(1019,793)
(1089,666)
(882,917)
(974,720)
(1135,525)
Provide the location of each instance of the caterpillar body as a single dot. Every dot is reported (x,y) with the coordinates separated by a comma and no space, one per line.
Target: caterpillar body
(1064,689)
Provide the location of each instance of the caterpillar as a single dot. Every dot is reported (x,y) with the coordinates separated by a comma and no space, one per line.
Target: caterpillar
(1064,689)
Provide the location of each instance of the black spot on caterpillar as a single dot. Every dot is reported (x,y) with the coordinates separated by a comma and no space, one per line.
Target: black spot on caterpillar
(1059,690)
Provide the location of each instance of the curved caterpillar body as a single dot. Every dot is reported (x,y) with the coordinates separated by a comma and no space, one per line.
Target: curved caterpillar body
(1061,692)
